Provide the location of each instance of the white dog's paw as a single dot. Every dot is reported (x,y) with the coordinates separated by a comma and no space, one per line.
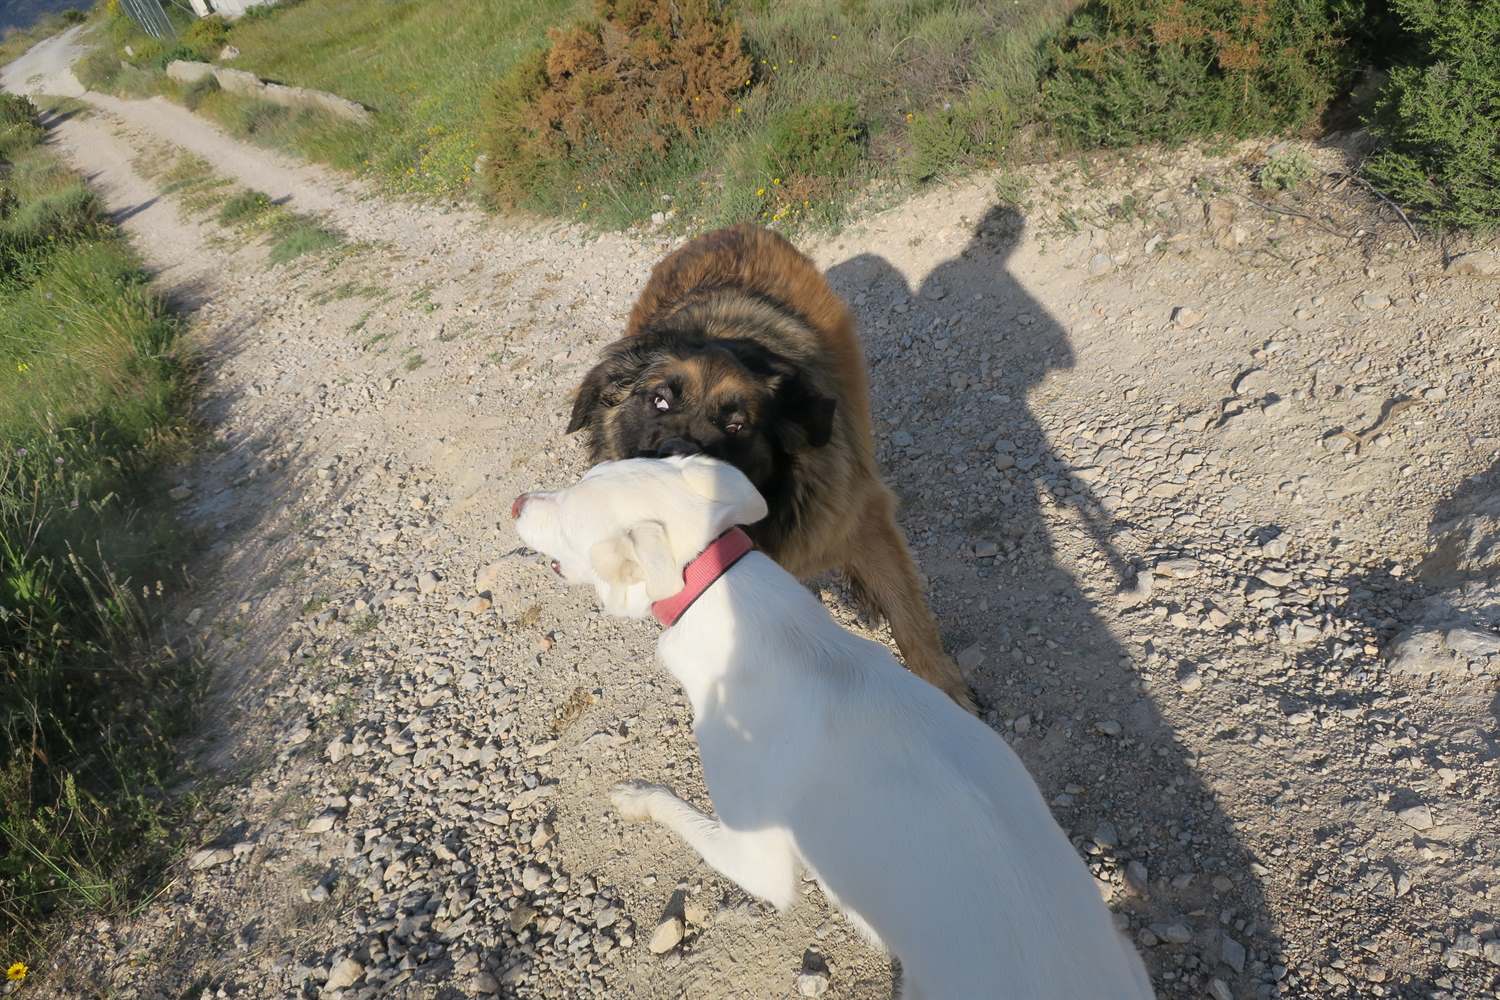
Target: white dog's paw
(633,798)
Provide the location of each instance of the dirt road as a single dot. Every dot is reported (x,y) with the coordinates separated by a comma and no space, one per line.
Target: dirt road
(1142,461)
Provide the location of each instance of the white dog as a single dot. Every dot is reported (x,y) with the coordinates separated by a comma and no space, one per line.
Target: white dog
(821,752)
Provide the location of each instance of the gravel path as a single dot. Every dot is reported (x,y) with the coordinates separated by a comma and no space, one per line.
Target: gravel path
(1208,621)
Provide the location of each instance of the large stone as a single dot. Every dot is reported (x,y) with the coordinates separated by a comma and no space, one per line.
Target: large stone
(315,100)
(237,81)
(1472,642)
(666,936)
(1466,542)
(344,974)
(1475,263)
(187,72)
(1419,652)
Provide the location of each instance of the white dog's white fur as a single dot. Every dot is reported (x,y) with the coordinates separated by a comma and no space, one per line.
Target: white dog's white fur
(821,752)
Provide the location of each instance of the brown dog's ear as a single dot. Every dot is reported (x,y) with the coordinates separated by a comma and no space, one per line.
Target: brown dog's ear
(804,416)
(586,399)
(606,384)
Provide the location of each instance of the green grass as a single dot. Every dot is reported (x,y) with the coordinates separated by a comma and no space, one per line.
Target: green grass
(247,208)
(93,414)
(925,90)
(295,235)
(290,234)
(424,67)
(922,91)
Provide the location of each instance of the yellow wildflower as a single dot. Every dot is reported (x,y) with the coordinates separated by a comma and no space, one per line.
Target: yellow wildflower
(22,367)
(776,181)
(760,192)
(17,972)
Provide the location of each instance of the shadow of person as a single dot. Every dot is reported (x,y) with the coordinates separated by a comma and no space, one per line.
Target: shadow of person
(986,500)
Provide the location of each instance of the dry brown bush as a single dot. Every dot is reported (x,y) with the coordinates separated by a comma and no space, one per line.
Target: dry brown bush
(612,91)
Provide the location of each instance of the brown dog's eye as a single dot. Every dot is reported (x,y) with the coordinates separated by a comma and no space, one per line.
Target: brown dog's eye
(661,402)
(733,429)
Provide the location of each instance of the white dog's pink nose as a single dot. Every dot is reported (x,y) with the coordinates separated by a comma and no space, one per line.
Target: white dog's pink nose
(515,508)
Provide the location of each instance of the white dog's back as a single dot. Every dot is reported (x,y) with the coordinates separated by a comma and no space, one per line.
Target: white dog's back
(917,817)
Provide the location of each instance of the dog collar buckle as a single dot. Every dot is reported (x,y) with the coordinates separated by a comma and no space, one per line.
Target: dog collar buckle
(700,574)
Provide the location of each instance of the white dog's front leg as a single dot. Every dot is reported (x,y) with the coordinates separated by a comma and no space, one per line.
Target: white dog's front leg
(760,862)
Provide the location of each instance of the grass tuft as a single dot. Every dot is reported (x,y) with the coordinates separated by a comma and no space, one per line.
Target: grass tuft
(93,412)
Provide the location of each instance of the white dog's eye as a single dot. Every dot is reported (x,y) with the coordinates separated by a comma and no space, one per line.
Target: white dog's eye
(660,402)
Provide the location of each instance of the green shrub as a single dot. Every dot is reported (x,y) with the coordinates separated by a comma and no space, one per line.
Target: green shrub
(19,128)
(246,208)
(206,36)
(98,69)
(1285,170)
(1439,116)
(174,53)
(1128,71)
(147,51)
(816,141)
(293,235)
(947,140)
(194,94)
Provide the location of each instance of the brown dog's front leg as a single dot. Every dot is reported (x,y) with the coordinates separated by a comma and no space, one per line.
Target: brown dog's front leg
(881,568)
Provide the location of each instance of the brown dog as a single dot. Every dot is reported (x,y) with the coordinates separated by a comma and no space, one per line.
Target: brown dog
(737,348)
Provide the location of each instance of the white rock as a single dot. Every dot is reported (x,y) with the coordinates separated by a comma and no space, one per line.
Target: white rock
(1179,569)
(1186,317)
(343,974)
(210,857)
(323,822)
(488,577)
(1418,817)
(812,984)
(668,935)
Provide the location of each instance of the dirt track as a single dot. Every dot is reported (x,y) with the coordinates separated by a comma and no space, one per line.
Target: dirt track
(1171,579)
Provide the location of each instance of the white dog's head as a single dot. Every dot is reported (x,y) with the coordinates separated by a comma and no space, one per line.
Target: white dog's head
(628,528)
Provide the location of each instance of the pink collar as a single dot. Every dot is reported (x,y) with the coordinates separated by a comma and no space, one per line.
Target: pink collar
(700,574)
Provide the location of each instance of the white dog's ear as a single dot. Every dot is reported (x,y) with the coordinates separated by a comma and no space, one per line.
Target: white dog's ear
(640,554)
(723,483)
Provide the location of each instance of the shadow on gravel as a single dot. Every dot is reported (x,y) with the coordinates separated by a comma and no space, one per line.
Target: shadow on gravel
(952,372)
(125,214)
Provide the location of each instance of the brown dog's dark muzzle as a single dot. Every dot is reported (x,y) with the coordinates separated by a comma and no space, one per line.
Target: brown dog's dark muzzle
(675,447)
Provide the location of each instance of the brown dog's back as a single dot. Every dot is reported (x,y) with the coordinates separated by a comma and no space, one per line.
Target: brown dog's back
(762,264)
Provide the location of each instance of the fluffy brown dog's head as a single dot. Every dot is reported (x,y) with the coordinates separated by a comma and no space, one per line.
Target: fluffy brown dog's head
(675,393)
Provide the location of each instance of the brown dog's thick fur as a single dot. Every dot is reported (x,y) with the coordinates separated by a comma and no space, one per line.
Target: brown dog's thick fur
(758,362)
